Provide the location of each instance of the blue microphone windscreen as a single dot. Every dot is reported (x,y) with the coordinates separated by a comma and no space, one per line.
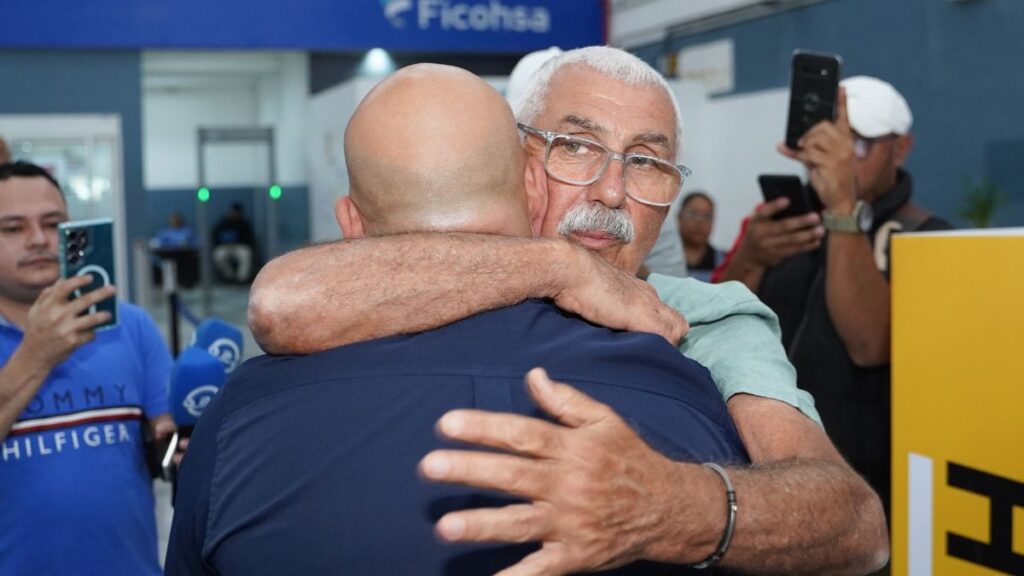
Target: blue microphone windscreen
(195,379)
(222,340)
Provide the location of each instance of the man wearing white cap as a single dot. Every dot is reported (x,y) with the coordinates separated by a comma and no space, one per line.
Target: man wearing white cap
(827,277)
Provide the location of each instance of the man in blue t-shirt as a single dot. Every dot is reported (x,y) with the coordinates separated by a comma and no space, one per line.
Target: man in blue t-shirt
(307,465)
(75,492)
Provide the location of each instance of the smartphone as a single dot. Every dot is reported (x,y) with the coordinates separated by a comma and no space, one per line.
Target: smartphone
(87,247)
(778,185)
(813,93)
(167,468)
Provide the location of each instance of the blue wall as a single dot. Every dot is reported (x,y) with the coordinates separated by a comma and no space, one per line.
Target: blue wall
(56,82)
(292,213)
(957,64)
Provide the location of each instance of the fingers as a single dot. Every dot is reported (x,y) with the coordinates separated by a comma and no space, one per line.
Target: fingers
(515,523)
(179,453)
(61,290)
(570,406)
(485,470)
(786,151)
(510,432)
(768,209)
(842,117)
(90,321)
(786,246)
(795,223)
(92,298)
(551,560)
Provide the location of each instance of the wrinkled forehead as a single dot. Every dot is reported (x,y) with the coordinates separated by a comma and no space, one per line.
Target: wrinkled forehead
(610,104)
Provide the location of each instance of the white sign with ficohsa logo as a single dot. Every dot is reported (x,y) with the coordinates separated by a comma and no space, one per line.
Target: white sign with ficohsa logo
(446,15)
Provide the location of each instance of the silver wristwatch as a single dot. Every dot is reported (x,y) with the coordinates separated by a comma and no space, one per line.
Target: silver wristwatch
(857,222)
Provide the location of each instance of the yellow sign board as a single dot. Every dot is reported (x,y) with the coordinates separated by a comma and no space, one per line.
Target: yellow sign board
(958,403)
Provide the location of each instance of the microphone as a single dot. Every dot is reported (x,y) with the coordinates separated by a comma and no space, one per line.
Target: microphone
(222,340)
(195,378)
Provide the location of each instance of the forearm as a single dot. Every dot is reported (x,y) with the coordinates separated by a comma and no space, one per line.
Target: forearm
(858,299)
(20,379)
(802,516)
(349,291)
(802,509)
(805,516)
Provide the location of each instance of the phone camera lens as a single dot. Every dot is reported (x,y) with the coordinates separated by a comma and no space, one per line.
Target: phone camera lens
(811,102)
(73,258)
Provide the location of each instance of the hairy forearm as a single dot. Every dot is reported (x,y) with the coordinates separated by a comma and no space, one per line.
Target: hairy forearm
(20,379)
(806,517)
(349,291)
(800,516)
(858,299)
(802,509)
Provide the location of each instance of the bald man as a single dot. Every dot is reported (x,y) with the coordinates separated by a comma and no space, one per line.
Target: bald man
(306,465)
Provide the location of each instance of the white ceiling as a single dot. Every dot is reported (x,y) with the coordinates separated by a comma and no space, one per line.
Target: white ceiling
(175,71)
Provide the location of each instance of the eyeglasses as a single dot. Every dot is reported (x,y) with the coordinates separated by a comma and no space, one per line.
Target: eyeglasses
(862,146)
(581,162)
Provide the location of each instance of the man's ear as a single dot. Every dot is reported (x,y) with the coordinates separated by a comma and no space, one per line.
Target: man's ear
(349,219)
(902,149)
(536,193)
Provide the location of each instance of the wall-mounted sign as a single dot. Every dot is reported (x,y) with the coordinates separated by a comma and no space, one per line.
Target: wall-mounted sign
(493,26)
(713,64)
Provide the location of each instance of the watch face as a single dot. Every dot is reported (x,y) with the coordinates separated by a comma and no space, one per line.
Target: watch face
(865,217)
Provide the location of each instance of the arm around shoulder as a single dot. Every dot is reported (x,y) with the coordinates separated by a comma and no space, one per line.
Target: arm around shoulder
(349,291)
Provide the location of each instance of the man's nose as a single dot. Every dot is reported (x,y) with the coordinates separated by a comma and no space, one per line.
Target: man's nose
(609,188)
(37,236)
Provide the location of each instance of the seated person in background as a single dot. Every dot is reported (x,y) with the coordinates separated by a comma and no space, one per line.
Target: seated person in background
(336,435)
(178,243)
(696,218)
(177,235)
(233,245)
(619,114)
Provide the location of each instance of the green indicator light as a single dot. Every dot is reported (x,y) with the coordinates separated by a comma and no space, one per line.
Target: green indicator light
(275,192)
(203,194)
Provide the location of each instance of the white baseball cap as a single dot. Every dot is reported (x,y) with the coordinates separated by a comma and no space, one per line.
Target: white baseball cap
(875,108)
(519,79)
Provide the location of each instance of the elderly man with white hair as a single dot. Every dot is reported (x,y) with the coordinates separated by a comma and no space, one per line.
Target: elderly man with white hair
(602,132)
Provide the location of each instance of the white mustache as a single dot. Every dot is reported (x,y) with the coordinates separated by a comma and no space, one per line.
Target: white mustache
(596,217)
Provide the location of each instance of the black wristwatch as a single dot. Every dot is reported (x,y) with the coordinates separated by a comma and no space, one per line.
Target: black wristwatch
(857,222)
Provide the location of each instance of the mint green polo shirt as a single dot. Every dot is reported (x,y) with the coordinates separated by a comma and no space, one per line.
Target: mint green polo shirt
(737,337)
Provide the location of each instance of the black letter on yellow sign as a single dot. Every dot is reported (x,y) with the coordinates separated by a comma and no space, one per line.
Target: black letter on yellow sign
(1003,495)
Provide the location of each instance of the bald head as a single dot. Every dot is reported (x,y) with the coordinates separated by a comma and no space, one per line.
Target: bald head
(435,148)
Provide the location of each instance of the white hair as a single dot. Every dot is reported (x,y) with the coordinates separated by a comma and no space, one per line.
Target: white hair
(611,62)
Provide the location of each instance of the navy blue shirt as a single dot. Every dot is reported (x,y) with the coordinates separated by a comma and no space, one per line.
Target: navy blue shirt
(307,465)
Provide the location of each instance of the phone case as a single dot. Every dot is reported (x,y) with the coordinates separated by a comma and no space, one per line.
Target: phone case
(87,247)
(813,93)
(778,185)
